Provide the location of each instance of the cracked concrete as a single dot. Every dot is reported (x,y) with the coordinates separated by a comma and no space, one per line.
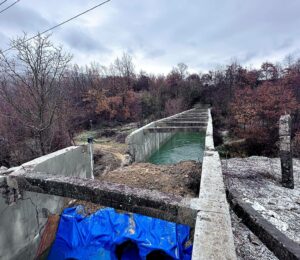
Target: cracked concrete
(24,213)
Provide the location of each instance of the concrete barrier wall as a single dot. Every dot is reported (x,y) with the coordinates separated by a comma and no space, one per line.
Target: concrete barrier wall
(21,224)
(141,145)
(213,237)
(71,161)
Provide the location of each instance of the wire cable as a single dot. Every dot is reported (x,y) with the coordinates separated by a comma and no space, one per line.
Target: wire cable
(62,23)
(3,10)
(3,2)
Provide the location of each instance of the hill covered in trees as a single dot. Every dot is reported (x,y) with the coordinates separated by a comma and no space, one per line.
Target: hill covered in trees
(44,100)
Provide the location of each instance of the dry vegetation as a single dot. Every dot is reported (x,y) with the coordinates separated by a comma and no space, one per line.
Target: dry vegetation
(45,101)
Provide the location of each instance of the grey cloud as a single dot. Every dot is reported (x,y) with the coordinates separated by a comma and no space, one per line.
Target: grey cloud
(199,33)
(20,18)
(284,44)
(82,41)
(155,53)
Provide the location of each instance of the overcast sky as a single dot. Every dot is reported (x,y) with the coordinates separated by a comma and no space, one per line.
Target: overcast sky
(161,33)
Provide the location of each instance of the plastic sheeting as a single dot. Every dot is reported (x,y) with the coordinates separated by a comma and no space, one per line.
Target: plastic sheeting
(107,234)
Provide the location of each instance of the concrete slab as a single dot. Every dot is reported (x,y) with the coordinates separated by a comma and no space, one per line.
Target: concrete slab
(213,237)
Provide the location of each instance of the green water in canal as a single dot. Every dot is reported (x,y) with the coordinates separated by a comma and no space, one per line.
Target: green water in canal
(181,147)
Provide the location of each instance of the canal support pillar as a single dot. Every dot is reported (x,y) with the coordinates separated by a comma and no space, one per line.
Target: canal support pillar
(286,158)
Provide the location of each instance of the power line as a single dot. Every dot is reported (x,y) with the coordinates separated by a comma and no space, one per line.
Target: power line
(8,6)
(62,23)
(3,2)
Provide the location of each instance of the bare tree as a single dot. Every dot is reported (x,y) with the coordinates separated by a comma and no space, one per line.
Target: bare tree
(182,68)
(124,68)
(31,84)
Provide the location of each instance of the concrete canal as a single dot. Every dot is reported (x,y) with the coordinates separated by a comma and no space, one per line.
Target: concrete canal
(181,147)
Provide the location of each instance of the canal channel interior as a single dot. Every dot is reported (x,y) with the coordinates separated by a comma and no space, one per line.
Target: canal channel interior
(182,146)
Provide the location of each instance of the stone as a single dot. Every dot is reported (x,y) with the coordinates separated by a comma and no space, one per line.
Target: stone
(3,169)
(258,207)
(127,160)
(253,239)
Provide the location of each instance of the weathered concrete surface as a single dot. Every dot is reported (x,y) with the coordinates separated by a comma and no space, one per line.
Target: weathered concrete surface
(209,140)
(23,221)
(183,123)
(213,237)
(141,145)
(247,244)
(71,161)
(143,142)
(171,129)
(21,224)
(194,119)
(257,182)
(283,247)
(151,203)
(286,159)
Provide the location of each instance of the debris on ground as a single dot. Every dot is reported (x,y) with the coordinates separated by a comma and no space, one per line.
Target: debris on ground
(105,160)
(182,178)
(109,147)
(257,181)
(89,207)
(247,245)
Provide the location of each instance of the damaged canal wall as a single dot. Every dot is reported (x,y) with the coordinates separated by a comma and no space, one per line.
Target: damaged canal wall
(23,219)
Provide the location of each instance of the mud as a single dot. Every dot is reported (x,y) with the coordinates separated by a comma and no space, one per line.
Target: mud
(105,161)
(180,179)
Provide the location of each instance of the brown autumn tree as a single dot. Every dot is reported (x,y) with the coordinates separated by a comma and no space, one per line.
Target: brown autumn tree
(256,112)
(269,71)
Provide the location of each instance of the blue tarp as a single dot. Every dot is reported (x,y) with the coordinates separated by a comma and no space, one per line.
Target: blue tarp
(99,236)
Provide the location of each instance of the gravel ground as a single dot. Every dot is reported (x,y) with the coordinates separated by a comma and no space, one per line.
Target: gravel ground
(257,181)
(248,246)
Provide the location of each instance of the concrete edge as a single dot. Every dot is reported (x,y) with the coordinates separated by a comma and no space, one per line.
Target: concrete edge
(153,122)
(213,238)
(277,242)
(147,202)
(48,156)
(41,159)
